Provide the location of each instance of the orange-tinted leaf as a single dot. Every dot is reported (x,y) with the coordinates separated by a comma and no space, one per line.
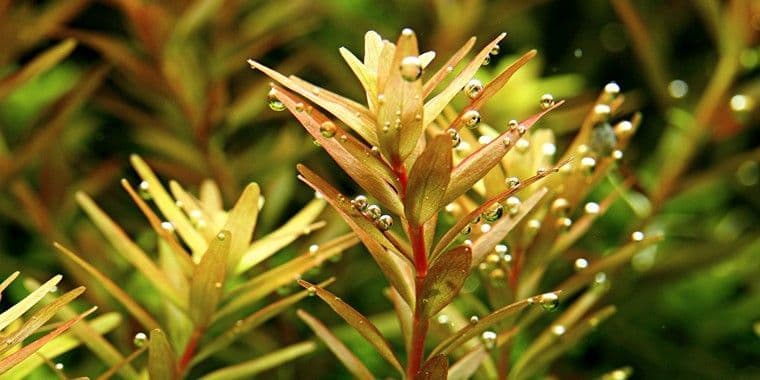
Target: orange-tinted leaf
(465,367)
(435,368)
(428,180)
(444,281)
(439,75)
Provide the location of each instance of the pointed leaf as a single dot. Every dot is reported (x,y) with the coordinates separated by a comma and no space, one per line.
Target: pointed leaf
(359,322)
(367,78)
(248,369)
(17,310)
(465,367)
(403,313)
(241,222)
(41,63)
(161,358)
(444,281)
(8,280)
(448,67)
(428,180)
(435,368)
(476,165)
(208,279)
(344,354)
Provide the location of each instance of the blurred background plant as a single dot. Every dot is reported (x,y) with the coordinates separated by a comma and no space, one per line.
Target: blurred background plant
(70,116)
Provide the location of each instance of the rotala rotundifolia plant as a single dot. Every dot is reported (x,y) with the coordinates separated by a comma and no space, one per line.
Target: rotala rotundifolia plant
(444,202)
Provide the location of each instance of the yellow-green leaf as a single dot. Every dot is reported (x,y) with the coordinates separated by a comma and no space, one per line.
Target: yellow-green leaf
(241,222)
(344,354)
(162,363)
(428,180)
(41,63)
(8,280)
(207,283)
(15,311)
(444,281)
(246,370)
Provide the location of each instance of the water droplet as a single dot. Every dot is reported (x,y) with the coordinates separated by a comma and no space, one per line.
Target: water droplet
(541,171)
(512,124)
(168,226)
(493,213)
(218,285)
(678,88)
(497,277)
(327,129)
(617,154)
(373,211)
(547,100)
(467,242)
(600,278)
(501,249)
(592,208)
(741,103)
(140,339)
(580,263)
(602,139)
(587,164)
(534,224)
(143,190)
(548,149)
(624,129)
(474,319)
(274,103)
(456,139)
(512,182)
(484,140)
(489,339)
(513,205)
(495,50)
(443,319)
(522,146)
(473,88)
(411,68)
(316,143)
(485,228)
(222,235)
(637,236)
(602,111)
(486,60)
(564,223)
(560,207)
(493,259)
(311,291)
(507,141)
(59,366)
(548,301)
(360,203)
(612,88)
(314,248)
(381,98)
(299,107)
(53,289)
(558,330)
(384,222)
(471,118)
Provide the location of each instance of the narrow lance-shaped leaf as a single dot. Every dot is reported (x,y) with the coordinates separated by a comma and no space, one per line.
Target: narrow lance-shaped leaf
(15,311)
(476,165)
(241,222)
(162,364)
(137,311)
(465,367)
(359,322)
(247,369)
(367,78)
(435,368)
(8,280)
(343,353)
(448,67)
(41,63)
(208,279)
(17,357)
(428,180)
(444,281)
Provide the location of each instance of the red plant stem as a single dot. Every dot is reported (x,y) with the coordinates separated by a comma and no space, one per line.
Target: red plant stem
(419,332)
(192,345)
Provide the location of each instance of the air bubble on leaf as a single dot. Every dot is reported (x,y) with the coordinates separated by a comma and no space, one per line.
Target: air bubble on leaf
(373,212)
(473,88)
(580,263)
(493,259)
(678,88)
(548,149)
(748,173)
(588,164)
(740,103)
(489,339)
(592,208)
(547,100)
(59,366)
(513,205)
(411,68)
(617,154)
(167,226)
(299,107)
(140,339)
(623,129)
(327,129)
(558,330)
(564,223)
(485,228)
(501,249)
(522,146)
(274,103)
(512,182)
(471,118)
(456,139)
(311,291)
(560,207)
(612,88)
(467,242)
(451,208)
(512,124)
(637,236)
(484,139)
(474,320)
(384,222)
(316,143)
(497,277)
(534,225)
(360,203)
(600,278)
(314,248)
(548,301)
(541,171)
(495,50)
(602,111)
(143,189)
(493,213)
(217,284)
(221,236)
(507,141)
(466,230)
(486,60)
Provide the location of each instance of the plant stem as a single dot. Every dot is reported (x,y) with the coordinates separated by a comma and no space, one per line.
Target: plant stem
(187,355)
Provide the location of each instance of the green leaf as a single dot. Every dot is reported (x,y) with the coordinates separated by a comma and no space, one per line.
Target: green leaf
(17,357)
(41,63)
(246,370)
(162,363)
(403,313)
(15,311)
(444,281)
(207,283)
(428,180)
(137,311)
(359,322)
(39,319)
(475,166)
(465,367)
(435,368)
(241,222)
(344,354)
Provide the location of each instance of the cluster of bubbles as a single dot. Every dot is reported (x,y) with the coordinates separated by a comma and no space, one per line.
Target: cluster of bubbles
(497,264)
(372,211)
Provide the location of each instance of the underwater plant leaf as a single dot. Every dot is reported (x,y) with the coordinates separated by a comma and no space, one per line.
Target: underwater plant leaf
(360,123)
(403,313)
(426,58)
(499,230)
(366,77)
(41,63)
(169,208)
(475,166)
(17,357)
(243,326)
(369,172)
(436,104)
(358,321)
(207,283)
(271,360)
(195,16)
(21,307)
(261,285)
(444,71)
(137,311)
(161,358)
(131,251)
(428,180)
(435,368)
(492,88)
(472,330)
(38,319)
(399,115)
(343,353)
(300,224)
(241,222)
(444,280)
(373,45)
(465,367)
(122,364)
(8,280)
